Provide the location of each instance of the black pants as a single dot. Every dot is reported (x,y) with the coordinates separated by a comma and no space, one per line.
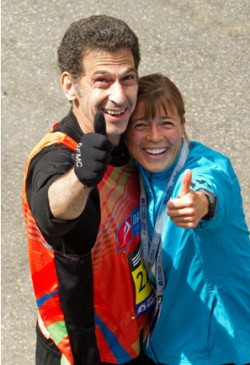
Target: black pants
(48,354)
(46,351)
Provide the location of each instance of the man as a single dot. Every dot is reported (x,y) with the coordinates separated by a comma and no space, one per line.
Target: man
(81,207)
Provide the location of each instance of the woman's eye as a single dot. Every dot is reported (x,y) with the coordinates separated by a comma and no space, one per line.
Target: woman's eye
(167,124)
(140,126)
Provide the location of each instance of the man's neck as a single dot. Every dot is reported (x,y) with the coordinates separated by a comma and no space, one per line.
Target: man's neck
(115,140)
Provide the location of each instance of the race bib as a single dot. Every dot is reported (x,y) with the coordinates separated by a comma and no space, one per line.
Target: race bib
(144,294)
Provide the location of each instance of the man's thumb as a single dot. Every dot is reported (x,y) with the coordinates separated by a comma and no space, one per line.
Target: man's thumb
(186,182)
(100,124)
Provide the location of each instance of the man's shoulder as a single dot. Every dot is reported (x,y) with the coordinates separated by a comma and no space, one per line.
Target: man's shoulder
(69,126)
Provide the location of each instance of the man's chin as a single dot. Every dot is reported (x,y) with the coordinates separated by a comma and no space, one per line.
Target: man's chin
(117,129)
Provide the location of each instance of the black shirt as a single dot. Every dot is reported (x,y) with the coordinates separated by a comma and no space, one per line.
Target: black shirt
(78,235)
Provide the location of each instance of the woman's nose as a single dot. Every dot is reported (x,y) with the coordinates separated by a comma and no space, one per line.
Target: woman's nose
(154,133)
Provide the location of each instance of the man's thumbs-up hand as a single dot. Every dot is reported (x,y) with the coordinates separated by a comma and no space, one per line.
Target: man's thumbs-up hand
(189,207)
(93,154)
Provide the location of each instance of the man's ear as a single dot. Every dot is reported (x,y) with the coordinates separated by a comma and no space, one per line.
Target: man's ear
(68,86)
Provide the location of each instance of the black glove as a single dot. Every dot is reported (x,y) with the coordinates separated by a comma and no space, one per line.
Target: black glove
(93,154)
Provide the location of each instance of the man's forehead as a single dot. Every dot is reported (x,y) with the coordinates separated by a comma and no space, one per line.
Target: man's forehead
(102,58)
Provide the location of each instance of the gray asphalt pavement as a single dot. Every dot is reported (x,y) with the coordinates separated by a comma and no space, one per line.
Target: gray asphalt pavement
(204,46)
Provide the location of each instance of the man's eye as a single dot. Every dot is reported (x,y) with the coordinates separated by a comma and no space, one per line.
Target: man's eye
(129,79)
(101,80)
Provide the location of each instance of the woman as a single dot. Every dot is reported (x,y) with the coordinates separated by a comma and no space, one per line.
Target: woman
(195,241)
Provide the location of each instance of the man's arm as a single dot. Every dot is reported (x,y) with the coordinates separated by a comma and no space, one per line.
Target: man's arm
(67,196)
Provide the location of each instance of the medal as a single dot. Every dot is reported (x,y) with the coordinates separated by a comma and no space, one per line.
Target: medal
(152,249)
(152,322)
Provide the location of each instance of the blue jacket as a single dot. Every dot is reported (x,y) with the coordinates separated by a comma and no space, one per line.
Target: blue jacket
(205,314)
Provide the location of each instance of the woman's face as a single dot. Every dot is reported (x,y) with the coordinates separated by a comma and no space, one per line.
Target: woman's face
(154,143)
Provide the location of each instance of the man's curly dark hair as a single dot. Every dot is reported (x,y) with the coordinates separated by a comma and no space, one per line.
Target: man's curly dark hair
(96,32)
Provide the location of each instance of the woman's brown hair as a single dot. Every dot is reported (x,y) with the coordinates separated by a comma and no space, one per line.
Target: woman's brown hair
(158,91)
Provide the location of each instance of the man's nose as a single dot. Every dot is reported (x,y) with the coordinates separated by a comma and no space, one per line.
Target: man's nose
(117,94)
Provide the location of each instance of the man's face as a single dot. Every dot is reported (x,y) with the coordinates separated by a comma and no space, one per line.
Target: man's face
(109,84)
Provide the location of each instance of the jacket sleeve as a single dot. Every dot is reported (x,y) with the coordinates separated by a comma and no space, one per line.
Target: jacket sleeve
(216,174)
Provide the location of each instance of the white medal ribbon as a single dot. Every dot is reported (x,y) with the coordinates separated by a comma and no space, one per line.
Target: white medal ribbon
(152,250)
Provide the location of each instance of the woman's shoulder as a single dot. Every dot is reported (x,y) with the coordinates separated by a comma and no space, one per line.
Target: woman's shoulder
(202,154)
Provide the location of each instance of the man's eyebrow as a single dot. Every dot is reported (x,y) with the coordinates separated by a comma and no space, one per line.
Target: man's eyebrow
(105,72)
(101,72)
(131,69)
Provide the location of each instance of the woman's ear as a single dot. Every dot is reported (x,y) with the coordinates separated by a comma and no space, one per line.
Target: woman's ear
(68,86)
(183,120)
